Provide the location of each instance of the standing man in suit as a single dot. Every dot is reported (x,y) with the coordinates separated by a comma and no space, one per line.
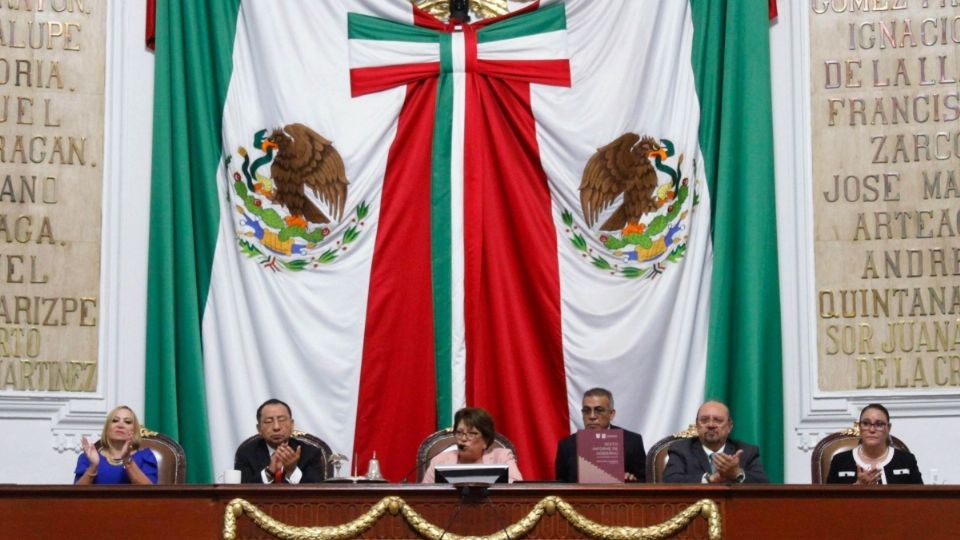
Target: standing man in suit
(714,458)
(598,413)
(274,457)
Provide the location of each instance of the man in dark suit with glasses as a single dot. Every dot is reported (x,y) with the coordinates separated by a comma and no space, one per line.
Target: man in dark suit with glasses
(713,457)
(598,413)
(275,456)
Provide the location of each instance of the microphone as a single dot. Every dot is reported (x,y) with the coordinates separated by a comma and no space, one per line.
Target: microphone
(461,447)
(417,465)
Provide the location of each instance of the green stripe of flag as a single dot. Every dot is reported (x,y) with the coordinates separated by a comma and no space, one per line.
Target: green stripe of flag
(440,233)
(194,43)
(546,19)
(361,26)
(374,28)
(731,61)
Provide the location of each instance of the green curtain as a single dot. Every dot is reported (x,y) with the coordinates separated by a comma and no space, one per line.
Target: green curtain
(194,41)
(731,59)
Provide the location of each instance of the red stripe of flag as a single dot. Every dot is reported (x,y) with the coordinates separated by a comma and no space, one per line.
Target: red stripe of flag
(555,72)
(512,286)
(397,402)
(151,29)
(368,80)
(772,9)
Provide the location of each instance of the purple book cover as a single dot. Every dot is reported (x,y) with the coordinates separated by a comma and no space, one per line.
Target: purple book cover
(600,456)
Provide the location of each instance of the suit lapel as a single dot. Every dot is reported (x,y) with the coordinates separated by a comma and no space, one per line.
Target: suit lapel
(263,453)
(701,455)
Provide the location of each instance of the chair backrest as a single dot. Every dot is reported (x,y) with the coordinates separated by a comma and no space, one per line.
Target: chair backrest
(657,456)
(444,439)
(310,439)
(835,443)
(171,459)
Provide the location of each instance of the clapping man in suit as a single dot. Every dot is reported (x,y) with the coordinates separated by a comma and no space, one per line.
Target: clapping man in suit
(275,457)
(713,457)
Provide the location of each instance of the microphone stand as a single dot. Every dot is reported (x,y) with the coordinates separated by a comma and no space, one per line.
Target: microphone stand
(497,516)
(475,494)
(456,512)
(468,493)
(419,463)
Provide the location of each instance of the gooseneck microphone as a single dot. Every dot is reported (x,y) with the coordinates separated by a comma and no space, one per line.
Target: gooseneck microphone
(419,463)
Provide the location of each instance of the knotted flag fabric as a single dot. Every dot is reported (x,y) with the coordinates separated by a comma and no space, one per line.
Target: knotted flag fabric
(384,217)
(475,77)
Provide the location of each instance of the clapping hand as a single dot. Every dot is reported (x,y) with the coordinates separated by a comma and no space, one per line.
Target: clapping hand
(126,450)
(288,457)
(728,466)
(90,450)
(284,459)
(867,476)
(275,463)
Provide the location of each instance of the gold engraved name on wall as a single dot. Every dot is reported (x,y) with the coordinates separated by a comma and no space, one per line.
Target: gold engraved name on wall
(52,62)
(885,114)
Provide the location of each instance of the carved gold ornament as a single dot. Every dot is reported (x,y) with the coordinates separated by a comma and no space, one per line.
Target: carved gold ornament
(853,431)
(395,505)
(688,433)
(484,9)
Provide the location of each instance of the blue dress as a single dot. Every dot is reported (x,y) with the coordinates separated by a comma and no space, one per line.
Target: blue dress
(108,473)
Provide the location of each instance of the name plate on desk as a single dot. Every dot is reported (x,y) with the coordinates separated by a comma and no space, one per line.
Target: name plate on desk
(600,456)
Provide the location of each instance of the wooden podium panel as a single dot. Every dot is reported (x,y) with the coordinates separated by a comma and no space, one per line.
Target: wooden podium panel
(747,512)
(61,512)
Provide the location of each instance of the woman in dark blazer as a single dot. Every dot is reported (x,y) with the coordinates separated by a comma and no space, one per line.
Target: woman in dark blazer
(875,460)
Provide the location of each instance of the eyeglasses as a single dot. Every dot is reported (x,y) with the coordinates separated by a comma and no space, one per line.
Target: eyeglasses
(468,435)
(879,426)
(704,420)
(598,411)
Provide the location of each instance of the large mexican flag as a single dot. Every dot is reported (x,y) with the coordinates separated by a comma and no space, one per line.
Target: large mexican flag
(380,217)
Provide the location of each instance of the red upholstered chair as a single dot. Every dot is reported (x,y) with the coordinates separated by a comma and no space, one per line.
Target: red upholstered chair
(657,456)
(835,443)
(444,439)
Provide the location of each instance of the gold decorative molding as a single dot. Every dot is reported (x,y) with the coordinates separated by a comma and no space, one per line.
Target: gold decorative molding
(396,505)
(353,529)
(704,507)
(483,9)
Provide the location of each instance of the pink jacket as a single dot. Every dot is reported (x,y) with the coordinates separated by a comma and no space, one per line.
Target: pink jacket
(493,456)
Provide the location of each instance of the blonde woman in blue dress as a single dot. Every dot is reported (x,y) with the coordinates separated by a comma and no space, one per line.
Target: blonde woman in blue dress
(119,459)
